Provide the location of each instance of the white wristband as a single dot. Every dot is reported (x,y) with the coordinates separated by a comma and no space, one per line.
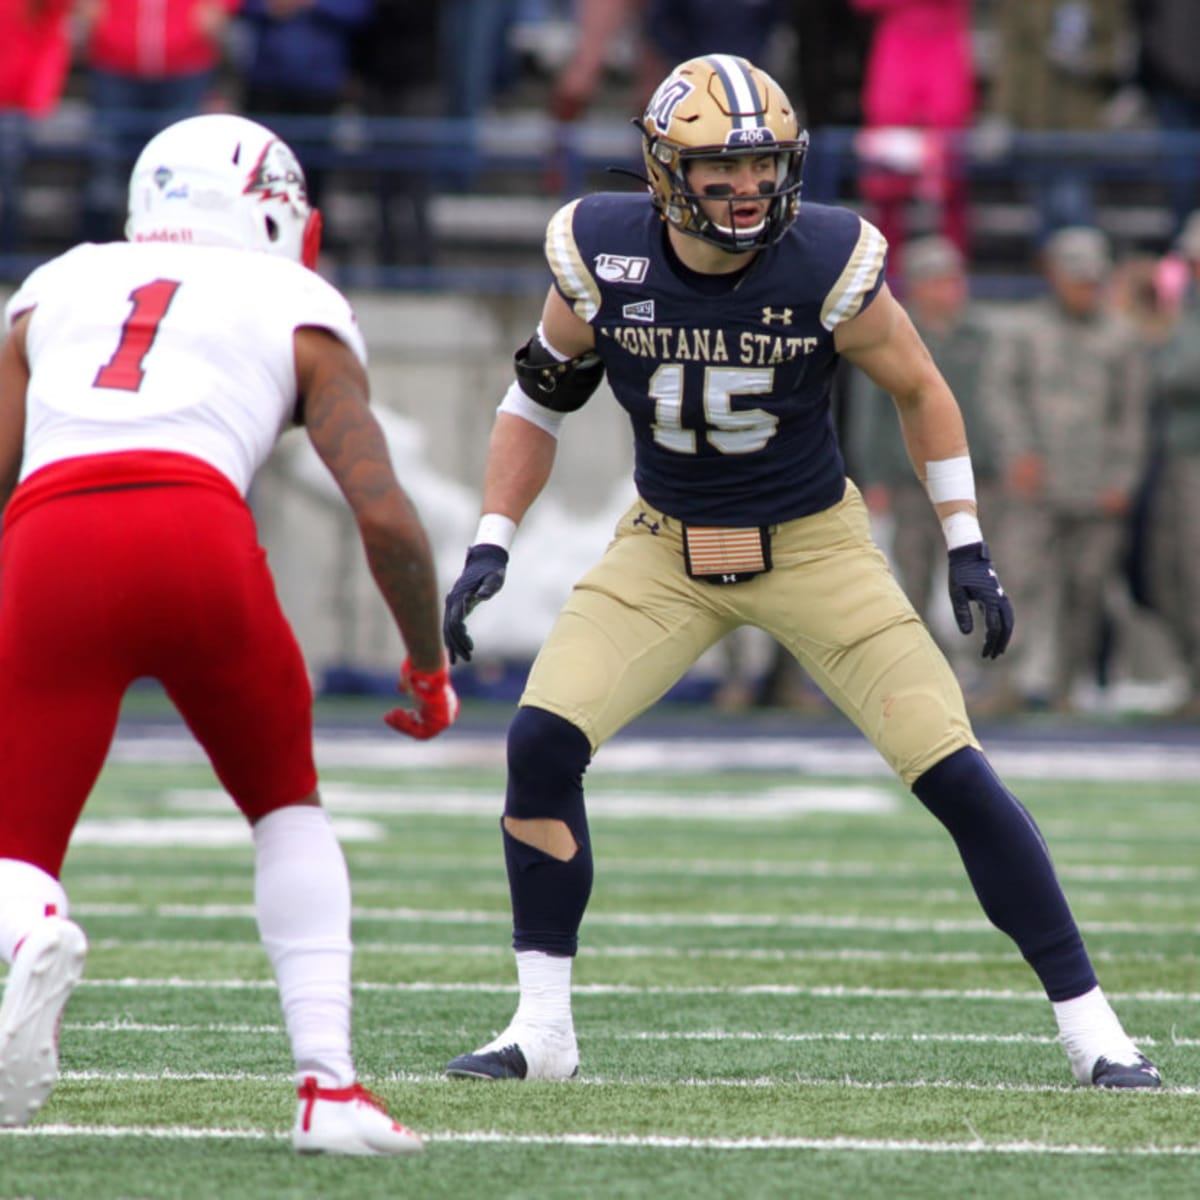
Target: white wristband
(950,479)
(961,529)
(496,530)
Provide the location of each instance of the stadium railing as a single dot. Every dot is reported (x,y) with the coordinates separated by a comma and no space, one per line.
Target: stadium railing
(419,204)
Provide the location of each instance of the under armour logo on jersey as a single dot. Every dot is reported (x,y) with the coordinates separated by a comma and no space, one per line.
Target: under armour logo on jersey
(641,310)
(642,519)
(782,315)
(621,268)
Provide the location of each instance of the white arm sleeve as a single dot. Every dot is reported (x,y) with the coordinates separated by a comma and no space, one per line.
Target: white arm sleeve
(519,405)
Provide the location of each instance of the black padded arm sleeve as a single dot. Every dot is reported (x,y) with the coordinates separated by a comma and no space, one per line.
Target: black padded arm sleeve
(559,385)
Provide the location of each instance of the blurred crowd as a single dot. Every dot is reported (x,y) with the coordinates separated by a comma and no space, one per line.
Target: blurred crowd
(1083,402)
(1082,407)
(910,75)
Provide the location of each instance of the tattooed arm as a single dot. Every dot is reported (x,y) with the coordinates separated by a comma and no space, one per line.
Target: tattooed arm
(334,393)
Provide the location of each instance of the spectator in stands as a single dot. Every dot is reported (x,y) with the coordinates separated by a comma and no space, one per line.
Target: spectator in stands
(396,64)
(1168,72)
(1174,525)
(1140,644)
(937,296)
(665,32)
(476,59)
(832,41)
(1058,67)
(149,63)
(918,94)
(679,29)
(298,65)
(1069,394)
(34,56)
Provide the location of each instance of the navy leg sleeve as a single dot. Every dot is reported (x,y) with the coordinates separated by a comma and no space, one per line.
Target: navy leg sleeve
(1009,866)
(547,757)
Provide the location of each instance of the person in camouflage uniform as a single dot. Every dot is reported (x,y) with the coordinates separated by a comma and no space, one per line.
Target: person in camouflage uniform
(957,335)
(1174,536)
(1058,67)
(1069,391)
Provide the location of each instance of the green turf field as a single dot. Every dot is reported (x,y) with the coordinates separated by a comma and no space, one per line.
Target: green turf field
(786,989)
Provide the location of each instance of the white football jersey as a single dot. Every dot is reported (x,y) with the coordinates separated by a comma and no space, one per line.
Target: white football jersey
(167,347)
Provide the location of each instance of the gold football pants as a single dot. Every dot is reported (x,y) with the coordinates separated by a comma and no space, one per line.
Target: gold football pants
(635,623)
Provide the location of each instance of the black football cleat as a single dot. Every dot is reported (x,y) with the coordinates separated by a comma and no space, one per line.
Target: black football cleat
(1141,1073)
(506,1063)
(520,1053)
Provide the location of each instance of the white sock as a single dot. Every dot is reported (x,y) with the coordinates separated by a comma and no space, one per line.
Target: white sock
(545,981)
(302,899)
(1089,1029)
(27,895)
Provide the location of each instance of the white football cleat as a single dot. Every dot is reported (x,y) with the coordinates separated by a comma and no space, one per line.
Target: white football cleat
(47,966)
(521,1052)
(348,1120)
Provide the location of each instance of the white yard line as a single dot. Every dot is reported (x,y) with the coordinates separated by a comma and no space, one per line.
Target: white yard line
(1107,760)
(723,1035)
(624,989)
(735,868)
(654,1142)
(411,1077)
(442,916)
(431,800)
(737,954)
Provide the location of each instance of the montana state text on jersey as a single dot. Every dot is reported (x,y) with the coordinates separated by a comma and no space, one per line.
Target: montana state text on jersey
(728,391)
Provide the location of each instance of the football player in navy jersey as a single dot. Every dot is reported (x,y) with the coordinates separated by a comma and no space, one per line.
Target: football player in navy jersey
(716,306)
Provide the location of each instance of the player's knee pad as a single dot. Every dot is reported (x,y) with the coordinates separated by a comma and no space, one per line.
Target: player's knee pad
(547,757)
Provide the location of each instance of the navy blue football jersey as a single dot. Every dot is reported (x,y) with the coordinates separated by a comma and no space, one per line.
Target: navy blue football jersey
(729,394)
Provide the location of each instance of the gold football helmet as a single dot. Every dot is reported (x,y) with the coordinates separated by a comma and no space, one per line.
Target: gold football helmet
(710,107)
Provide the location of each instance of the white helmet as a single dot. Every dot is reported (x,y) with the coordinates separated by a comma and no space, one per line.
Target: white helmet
(223,180)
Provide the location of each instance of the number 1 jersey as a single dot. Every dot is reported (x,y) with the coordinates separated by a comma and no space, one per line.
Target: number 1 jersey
(163,347)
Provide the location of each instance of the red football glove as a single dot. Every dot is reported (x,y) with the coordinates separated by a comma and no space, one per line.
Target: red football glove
(435,699)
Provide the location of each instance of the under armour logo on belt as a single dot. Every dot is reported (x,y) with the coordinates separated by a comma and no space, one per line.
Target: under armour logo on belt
(641,519)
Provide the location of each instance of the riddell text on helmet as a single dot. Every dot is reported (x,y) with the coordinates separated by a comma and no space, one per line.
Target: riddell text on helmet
(165,235)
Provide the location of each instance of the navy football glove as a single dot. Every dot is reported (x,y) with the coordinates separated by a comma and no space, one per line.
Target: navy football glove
(973,580)
(482,577)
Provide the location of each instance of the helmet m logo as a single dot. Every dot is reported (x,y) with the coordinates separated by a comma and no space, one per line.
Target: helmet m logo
(666,100)
(782,315)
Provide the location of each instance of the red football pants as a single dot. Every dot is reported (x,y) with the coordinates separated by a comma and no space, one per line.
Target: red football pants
(99,588)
